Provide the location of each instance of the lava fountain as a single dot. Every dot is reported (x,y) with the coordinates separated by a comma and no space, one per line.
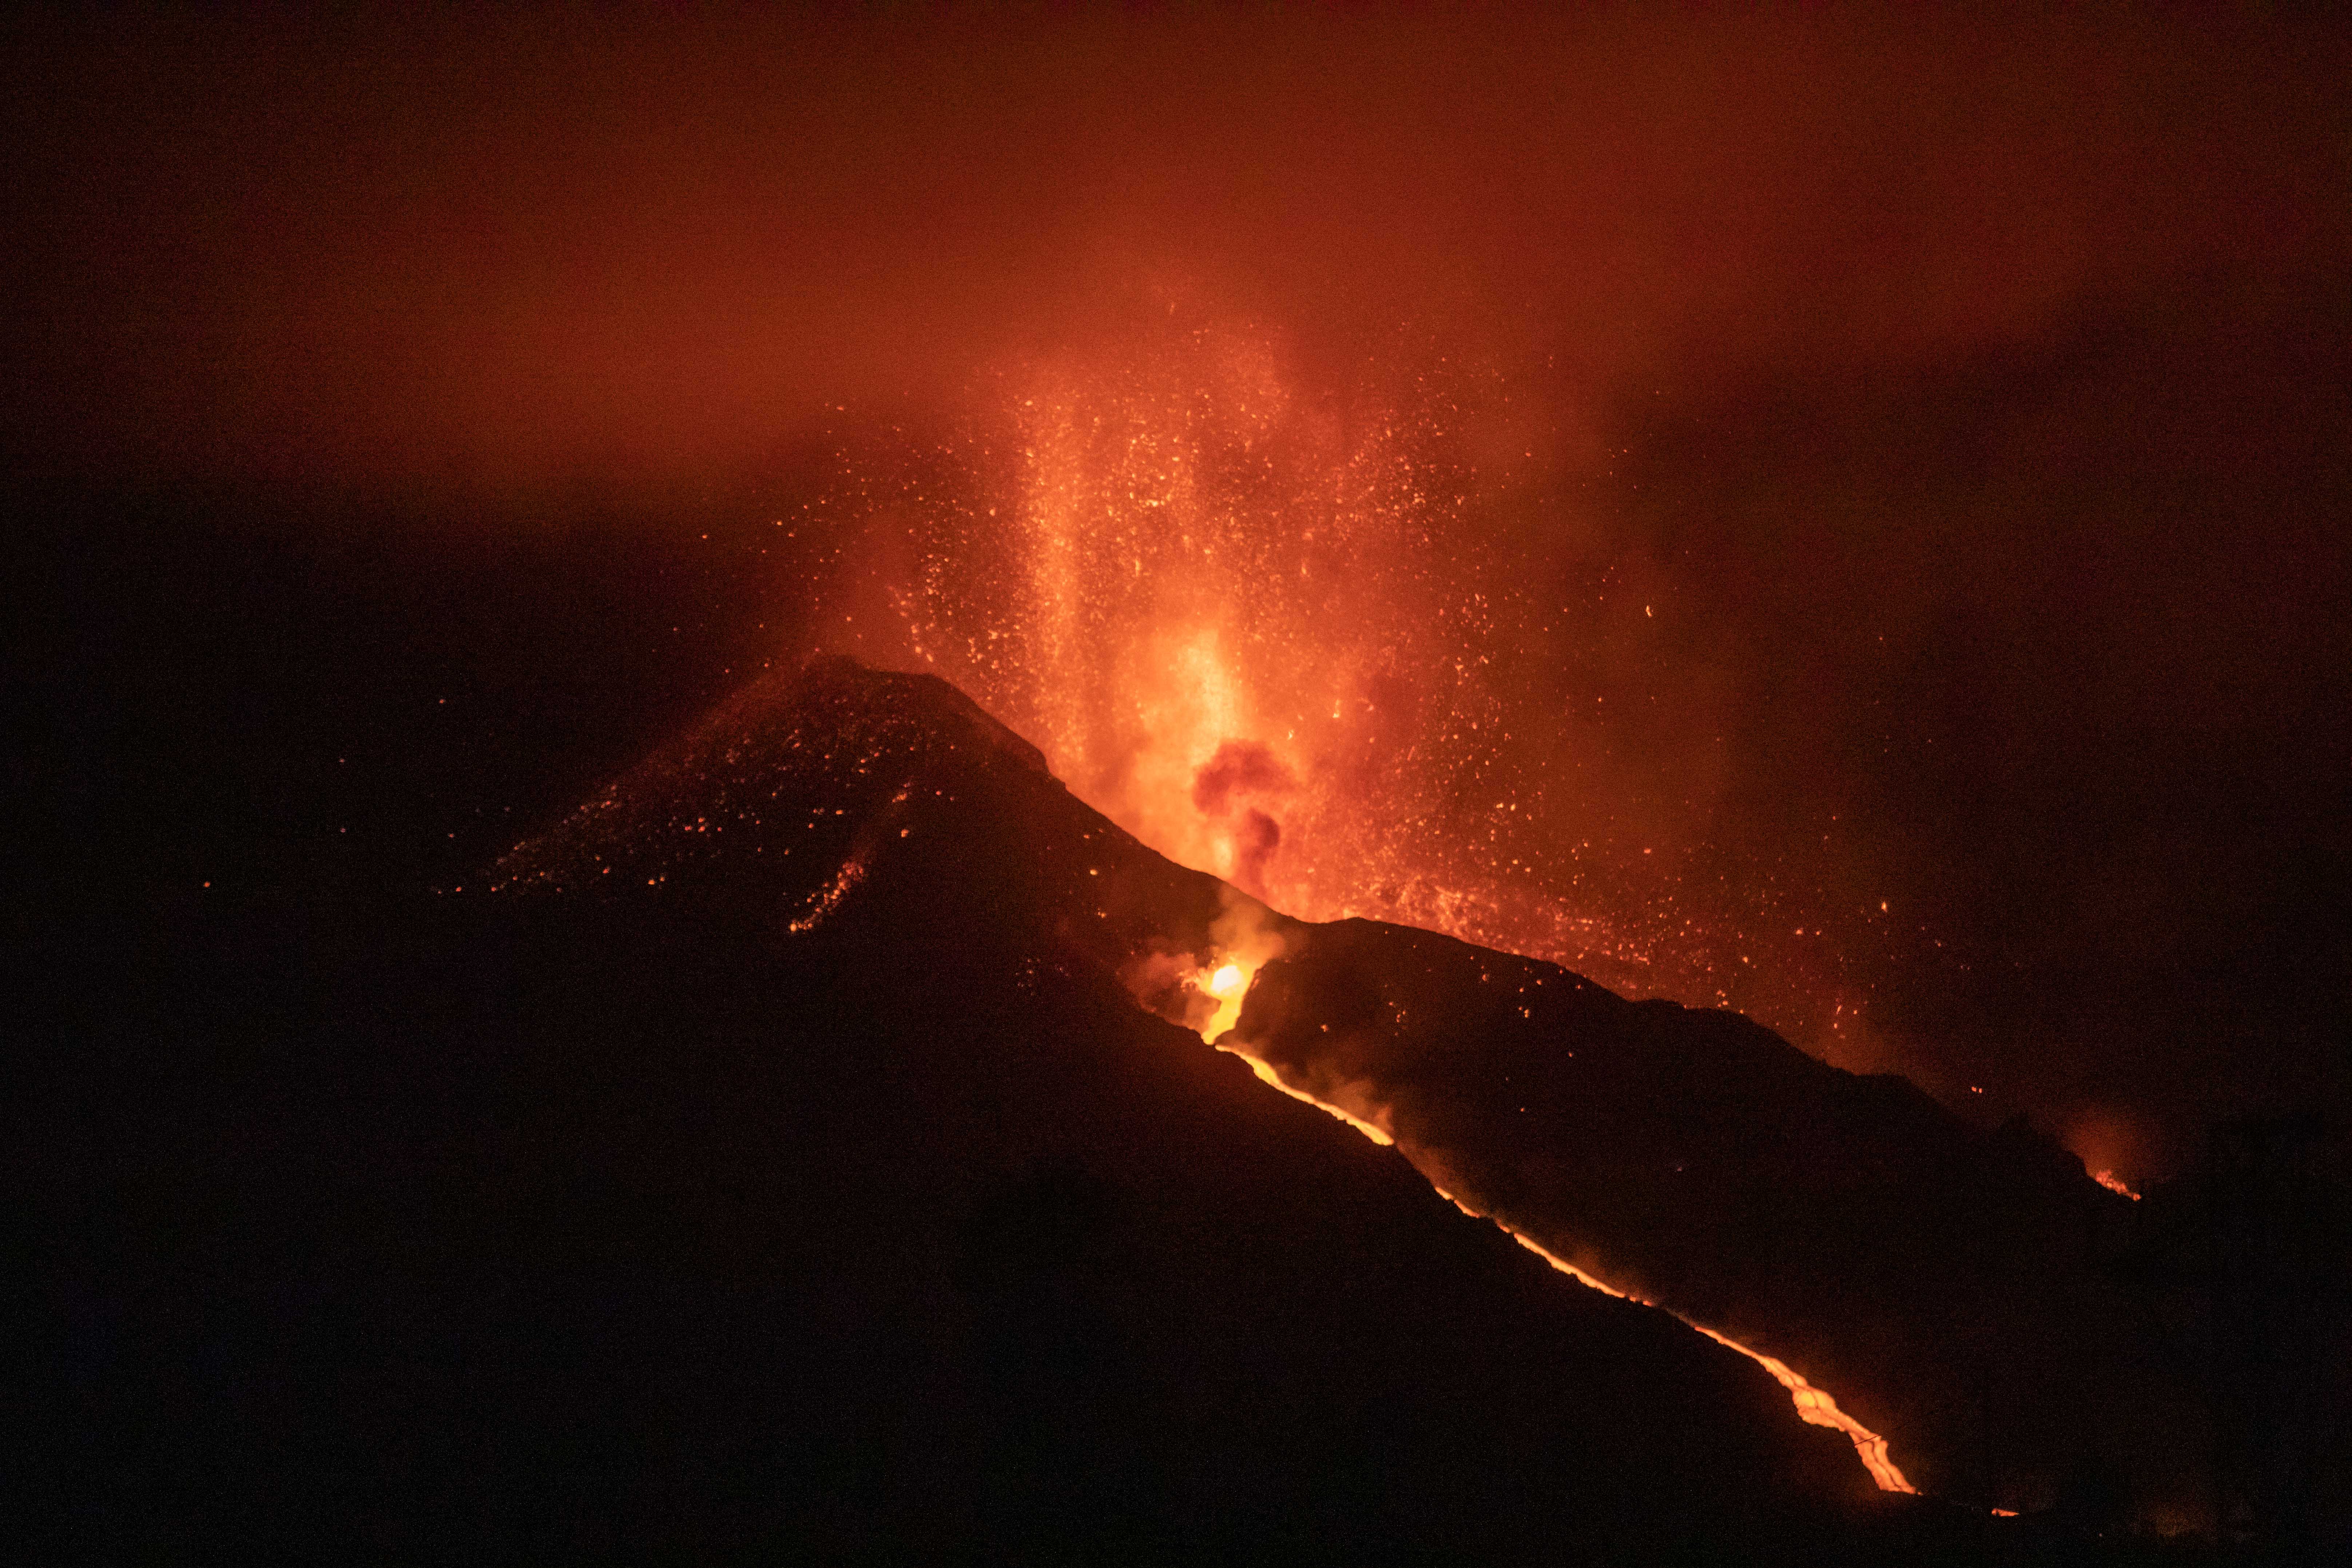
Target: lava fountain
(1283,634)
(1273,636)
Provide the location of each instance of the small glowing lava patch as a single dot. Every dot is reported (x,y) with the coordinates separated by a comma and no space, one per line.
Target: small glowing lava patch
(2115,1183)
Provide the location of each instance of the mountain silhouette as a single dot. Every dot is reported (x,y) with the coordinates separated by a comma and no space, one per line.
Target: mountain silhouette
(1947,1288)
(798,1153)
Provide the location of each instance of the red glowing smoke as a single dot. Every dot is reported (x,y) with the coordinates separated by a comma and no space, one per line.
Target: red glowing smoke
(1244,768)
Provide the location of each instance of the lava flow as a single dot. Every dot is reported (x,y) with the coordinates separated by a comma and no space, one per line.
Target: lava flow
(1229,980)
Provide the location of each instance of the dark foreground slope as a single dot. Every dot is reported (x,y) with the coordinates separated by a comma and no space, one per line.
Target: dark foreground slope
(778,1169)
(1949,1288)
(632,1222)
(1958,1291)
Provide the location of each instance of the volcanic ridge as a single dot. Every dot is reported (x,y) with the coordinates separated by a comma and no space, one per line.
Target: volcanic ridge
(1932,1293)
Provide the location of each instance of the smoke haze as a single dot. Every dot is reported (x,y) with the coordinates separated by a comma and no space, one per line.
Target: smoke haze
(1883,482)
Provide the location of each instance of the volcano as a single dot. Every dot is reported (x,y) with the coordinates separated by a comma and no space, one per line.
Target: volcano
(1939,1295)
(813,1147)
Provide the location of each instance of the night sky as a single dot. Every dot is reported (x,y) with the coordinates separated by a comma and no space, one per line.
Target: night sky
(404,414)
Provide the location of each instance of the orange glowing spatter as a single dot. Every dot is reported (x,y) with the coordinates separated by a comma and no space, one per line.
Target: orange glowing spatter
(1229,981)
(1273,625)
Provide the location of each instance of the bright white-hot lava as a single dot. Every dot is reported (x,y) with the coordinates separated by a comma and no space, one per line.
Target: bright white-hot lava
(1245,941)
(1228,984)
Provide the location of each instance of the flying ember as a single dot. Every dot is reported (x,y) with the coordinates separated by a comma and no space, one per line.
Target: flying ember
(1279,631)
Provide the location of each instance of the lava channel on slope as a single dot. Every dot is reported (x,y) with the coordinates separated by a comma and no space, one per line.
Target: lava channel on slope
(1246,941)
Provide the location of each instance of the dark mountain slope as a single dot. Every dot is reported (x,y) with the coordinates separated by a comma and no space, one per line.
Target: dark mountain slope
(632,1222)
(1953,1289)
(1945,1287)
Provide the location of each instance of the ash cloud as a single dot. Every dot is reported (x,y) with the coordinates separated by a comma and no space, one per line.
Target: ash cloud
(1927,436)
(445,248)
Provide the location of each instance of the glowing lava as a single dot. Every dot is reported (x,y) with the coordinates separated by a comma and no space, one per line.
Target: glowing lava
(1267,1076)
(2115,1183)
(1247,939)
(1818,1409)
(1229,982)
(1813,1406)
